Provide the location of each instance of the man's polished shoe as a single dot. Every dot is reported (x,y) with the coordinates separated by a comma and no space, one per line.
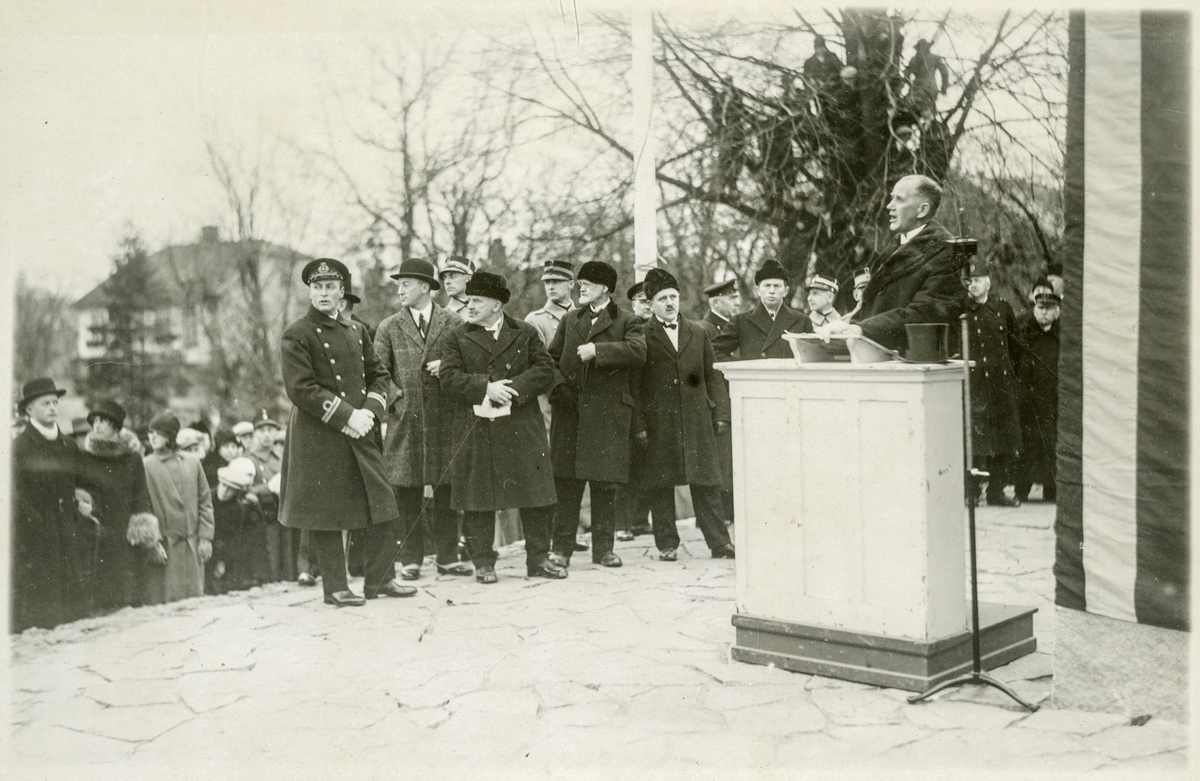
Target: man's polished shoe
(609,559)
(724,552)
(624,536)
(457,568)
(306,579)
(344,599)
(546,569)
(485,575)
(668,555)
(560,560)
(390,589)
(410,571)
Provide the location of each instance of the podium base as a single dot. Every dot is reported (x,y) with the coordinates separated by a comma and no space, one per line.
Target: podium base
(895,662)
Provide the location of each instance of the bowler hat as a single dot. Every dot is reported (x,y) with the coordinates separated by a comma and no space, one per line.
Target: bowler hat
(349,296)
(772,270)
(658,280)
(483,283)
(558,269)
(418,268)
(599,273)
(457,264)
(325,268)
(721,288)
(166,424)
(107,408)
(35,389)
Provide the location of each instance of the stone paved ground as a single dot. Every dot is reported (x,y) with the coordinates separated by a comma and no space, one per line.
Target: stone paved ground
(623,670)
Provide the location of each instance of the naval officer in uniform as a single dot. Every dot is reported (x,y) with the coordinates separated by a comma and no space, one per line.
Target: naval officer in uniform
(332,476)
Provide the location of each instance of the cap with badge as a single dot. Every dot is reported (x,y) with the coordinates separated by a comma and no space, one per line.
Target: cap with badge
(634,289)
(1047,299)
(563,270)
(721,288)
(819,282)
(457,264)
(323,269)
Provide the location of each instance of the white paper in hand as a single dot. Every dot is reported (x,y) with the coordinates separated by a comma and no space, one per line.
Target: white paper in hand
(490,410)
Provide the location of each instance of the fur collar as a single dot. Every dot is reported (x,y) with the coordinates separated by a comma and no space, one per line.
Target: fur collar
(124,443)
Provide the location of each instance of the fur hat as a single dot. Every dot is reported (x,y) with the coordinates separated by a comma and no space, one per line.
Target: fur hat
(600,273)
(772,270)
(484,283)
(657,281)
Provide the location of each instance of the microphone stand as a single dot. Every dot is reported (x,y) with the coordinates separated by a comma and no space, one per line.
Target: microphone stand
(973,478)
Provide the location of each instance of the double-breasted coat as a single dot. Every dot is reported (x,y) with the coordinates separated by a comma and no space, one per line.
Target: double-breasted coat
(592,425)
(417,448)
(503,462)
(680,396)
(754,334)
(712,325)
(329,480)
(1037,398)
(50,543)
(996,427)
(917,282)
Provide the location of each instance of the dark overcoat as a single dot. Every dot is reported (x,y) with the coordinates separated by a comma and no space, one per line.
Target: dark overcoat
(113,473)
(680,396)
(329,480)
(712,325)
(753,335)
(917,282)
(995,423)
(51,546)
(1037,398)
(416,450)
(502,463)
(592,424)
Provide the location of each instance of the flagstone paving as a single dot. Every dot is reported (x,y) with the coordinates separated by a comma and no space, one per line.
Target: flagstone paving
(613,670)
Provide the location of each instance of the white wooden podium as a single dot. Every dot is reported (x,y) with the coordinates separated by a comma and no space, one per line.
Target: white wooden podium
(851,524)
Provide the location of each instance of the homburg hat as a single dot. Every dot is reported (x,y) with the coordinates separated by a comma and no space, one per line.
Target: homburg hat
(35,389)
(488,285)
(598,273)
(420,269)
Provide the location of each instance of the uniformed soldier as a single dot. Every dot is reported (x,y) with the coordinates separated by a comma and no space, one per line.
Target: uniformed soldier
(558,277)
(995,421)
(821,293)
(724,301)
(454,275)
(332,476)
(637,301)
(759,332)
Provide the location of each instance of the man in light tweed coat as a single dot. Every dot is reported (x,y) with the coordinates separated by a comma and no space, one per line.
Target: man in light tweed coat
(416,451)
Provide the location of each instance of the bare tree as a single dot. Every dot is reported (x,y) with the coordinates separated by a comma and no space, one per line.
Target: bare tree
(43,332)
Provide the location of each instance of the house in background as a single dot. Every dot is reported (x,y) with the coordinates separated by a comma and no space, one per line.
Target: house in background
(195,327)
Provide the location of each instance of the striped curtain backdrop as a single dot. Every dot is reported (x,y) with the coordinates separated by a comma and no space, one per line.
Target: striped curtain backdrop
(1122,523)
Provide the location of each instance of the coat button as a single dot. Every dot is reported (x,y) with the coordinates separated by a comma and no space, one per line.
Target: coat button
(762,355)
(318,330)
(327,344)
(343,394)
(333,360)
(337,376)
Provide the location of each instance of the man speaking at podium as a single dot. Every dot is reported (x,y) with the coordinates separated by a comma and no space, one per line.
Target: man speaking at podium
(915,279)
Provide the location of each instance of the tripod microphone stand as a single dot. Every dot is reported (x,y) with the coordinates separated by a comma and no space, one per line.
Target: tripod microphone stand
(973,478)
